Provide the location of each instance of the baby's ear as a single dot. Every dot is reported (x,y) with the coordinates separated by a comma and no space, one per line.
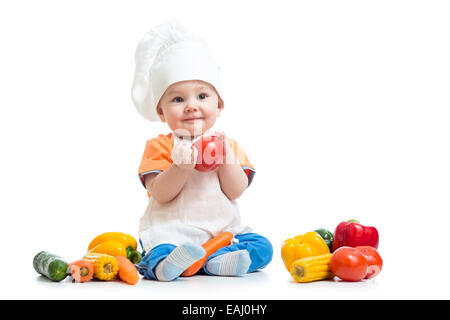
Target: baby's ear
(220,106)
(160,113)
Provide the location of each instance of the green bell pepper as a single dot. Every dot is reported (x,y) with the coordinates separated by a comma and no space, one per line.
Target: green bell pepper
(327,236)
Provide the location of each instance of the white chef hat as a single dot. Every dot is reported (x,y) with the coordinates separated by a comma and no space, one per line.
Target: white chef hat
(167,54)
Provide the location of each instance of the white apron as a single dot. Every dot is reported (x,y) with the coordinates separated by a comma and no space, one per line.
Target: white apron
(199,212)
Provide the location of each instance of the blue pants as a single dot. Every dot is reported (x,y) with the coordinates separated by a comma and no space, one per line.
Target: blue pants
(259,248)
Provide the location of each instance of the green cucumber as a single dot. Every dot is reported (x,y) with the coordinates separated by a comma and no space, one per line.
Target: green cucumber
(50,265)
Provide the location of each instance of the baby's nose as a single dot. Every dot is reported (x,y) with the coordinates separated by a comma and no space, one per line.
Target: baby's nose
(190,108)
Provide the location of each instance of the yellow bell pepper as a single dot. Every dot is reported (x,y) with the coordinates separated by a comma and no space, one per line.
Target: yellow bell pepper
(106,267)
(125,239)
(131,242)
(302,246)
(112,248)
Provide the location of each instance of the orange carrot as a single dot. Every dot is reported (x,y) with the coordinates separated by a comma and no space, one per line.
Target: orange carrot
(211,246)
(127,270)
(82,270)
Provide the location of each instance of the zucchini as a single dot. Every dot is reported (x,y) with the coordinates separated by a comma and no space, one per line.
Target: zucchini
(50,265)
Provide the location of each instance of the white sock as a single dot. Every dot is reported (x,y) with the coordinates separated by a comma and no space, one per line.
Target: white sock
(181,258)
(234,263)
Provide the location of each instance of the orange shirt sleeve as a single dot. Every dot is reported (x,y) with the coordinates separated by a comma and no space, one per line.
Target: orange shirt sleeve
(248,168)
(157,156)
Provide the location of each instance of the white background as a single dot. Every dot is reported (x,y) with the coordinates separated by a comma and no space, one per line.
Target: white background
(342,106)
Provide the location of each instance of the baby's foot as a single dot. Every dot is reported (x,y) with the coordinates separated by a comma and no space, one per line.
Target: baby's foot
(234,263)
(181,258)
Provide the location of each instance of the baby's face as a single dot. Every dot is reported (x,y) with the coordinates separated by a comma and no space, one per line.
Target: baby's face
(190,107)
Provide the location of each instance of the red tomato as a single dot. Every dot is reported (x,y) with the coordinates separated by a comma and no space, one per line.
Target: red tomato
(349,264)
(373,259)
(211,153)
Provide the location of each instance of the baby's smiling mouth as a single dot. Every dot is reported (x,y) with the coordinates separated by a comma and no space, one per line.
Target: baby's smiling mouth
(192,119)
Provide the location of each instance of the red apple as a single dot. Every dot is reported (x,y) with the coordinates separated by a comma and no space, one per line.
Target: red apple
(211,153)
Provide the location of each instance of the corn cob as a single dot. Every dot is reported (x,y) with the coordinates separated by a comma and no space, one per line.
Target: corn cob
(105,266)
(312,268)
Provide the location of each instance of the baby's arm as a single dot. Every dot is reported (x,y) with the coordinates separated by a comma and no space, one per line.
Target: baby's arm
(233,180)
(167,185)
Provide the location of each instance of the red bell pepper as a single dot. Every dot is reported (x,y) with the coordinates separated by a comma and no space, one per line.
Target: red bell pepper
(353,234)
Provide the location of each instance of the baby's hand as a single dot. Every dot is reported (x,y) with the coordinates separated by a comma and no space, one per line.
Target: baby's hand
(184,156)
(228,151)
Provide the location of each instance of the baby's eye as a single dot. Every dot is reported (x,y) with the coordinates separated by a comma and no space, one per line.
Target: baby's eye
(202,96)
(177,99)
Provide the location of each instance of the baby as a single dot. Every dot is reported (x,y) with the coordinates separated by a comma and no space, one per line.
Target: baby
(177,82)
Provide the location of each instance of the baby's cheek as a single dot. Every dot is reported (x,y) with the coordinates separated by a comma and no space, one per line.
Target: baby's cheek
(210,121)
